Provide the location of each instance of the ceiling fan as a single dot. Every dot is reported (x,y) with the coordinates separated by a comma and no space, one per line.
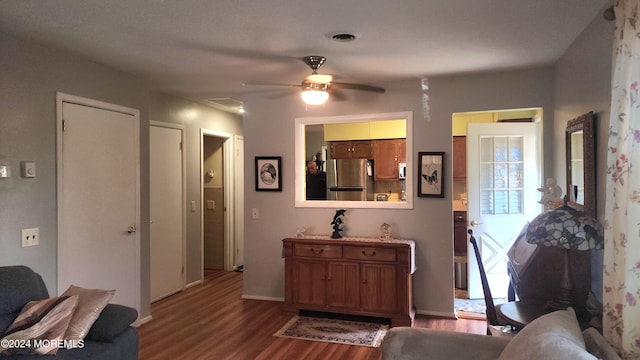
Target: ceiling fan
(316,87)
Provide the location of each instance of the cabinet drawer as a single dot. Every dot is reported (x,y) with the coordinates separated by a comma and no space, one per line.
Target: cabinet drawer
(317,250)
(369,253)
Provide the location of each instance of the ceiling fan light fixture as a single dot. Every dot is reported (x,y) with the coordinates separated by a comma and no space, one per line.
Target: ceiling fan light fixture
(314,93)
(314,97)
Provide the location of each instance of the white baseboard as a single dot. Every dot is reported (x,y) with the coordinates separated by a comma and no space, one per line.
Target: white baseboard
(449,315)
(192,284)
(267,298)
(142,321)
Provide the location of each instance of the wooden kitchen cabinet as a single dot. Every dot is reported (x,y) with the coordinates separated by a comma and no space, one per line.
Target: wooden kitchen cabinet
(386,156)
(360,149)
(460,233)
(357,276)
(459,158)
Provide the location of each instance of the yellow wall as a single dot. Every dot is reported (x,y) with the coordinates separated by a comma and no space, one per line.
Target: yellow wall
(366,130)
(460,120)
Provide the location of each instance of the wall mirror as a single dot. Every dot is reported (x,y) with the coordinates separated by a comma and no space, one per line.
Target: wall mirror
(580,147)
(367,160)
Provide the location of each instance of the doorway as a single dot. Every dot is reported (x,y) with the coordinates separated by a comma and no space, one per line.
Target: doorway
(222,199)
(476,194)
(213,212)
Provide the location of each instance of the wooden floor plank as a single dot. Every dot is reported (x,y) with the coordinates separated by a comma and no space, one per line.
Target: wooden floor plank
(211,321)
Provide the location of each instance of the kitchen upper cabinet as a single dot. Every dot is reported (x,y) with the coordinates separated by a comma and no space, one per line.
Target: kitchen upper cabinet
(361,149)
(459,158)
(386,156)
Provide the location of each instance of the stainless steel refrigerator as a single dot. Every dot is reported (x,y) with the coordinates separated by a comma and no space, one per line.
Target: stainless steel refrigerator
(350,179)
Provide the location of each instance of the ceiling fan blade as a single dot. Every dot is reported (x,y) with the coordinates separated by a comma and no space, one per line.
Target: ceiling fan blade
(265,83)
(337,95)
(362,87)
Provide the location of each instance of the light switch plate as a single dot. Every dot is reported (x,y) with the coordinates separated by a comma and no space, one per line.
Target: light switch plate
(4,171)
(28,169)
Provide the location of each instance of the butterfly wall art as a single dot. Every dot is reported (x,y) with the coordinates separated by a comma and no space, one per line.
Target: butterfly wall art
(431,174)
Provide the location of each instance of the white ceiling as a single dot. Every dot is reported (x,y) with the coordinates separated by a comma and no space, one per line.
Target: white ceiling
(208,48)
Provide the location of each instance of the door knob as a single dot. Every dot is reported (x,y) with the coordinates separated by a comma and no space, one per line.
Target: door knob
(474,223)
(131,229)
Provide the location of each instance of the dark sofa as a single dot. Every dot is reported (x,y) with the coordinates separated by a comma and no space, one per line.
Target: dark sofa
(111,337)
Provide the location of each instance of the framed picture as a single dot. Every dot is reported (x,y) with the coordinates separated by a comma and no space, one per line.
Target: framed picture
(431,174)
(268,173)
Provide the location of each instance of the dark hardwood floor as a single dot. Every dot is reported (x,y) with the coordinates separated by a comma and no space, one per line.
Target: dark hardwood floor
(211,321)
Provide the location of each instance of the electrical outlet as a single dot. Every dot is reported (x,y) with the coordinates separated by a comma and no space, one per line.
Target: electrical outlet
(30,237)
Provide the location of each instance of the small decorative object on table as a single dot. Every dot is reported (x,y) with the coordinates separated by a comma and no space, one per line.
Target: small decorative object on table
(552,197)
(300,231)
(337,221)
(385,231)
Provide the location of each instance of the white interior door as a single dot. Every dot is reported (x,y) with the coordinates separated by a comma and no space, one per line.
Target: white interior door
(503,173)
(98,198)
(166,211)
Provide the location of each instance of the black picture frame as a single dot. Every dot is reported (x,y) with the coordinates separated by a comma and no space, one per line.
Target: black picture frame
(268,173)
(431,167)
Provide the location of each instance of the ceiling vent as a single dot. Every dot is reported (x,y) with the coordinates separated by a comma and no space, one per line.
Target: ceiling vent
(343,37)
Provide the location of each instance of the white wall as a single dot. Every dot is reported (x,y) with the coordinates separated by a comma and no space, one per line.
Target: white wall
(269,130)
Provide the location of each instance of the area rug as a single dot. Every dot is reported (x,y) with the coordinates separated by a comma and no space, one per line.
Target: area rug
(473,308)
(334,331)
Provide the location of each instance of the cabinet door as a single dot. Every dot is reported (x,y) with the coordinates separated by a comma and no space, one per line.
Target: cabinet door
(385,160)
(310,282)
(342,285)
(361,149)
(378,288)
(340,150)
(459,158)
(402,150)
(460,233)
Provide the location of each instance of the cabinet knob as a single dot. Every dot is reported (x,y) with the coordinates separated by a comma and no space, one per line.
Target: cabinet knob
(317,252)
(373,253)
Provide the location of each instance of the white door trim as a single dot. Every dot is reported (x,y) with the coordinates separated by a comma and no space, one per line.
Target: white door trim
(238,166)
(228,197)
(67,98)
(183,170)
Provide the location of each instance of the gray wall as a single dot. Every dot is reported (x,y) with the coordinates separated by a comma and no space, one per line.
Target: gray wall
(578,83)
(267,122)
(194,116)
(583,84)
(31,75)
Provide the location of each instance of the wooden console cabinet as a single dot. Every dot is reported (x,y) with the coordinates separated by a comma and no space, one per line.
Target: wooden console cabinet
(358,276)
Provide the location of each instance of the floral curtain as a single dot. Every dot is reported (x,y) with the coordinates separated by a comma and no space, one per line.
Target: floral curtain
(621,298)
